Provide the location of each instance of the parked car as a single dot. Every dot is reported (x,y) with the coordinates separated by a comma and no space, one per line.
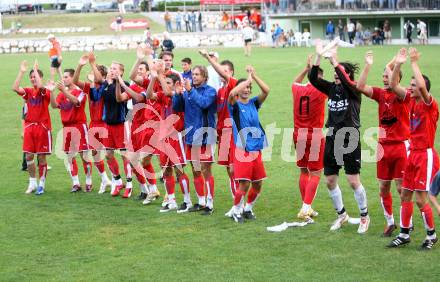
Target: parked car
(99,6)
(78,6)
(29,8)
(7,8)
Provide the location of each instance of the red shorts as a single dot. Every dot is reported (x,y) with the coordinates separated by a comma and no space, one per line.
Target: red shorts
(116,136)
(248,166)
(37,139)
(146,143)
(172,152)
(134,142)
(391,165)
(226,148)
(75,138)
(200,153)
(97,134)
(310,153)
(420,169)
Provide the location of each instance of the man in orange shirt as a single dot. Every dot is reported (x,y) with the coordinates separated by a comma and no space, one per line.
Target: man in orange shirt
(55,57)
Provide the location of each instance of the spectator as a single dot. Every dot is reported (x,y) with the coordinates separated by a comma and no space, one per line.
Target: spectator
(330,31)
(178,21)
(187,19)
(193,21)
(359,31)
(262,27)
(186,68)
(167,43)
(341,30)
(225,20)
(351,27)
(276,34)
(167,18)
(387,31)
(118,23)
(422,32)
(408,27)
(248,34)
(121,7)
(199,19)
(367,37)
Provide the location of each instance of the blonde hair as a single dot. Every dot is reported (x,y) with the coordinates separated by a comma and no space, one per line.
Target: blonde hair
(121,66)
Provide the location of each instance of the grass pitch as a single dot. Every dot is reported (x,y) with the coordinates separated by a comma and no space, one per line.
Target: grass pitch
(61,236)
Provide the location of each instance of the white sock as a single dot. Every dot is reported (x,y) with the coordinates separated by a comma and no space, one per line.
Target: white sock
(153,188)
(186,194)
(75,180)
(305,207)
(32,182)
(171,198)
(404,235)
(202,200)
(336,197)
(248,207)
(129,185)
(361,199)
(118,182)
(390,219)
(42,181)
(144,188)
(210,202)
(104,177)
(431,237)
(88,180)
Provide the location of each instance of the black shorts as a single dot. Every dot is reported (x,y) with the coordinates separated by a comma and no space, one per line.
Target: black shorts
(54,63)
(335,158)
(247,41)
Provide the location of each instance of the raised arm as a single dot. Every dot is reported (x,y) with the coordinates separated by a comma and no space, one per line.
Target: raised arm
(395,75)
(82,61)
(217,67)
(53,98)
(16,86)
(300,77)
(263,86)
(96,73)
(414,56)
(362,82)
(121,97)
(150,88)
(143,53)
(38,80)
(178,102)
(233,95)
(319,83)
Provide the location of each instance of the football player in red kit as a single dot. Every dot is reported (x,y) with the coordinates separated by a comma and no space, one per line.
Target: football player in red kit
(37,139)
(97,125)
(71,102)
(393,141)
(422,163)
(308,119)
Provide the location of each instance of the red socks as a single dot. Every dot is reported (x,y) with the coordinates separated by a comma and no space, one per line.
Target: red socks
(210,187)
(252,195)
(427,216)
(87,168)
(100,166)
(42,170)
(170,183)
(406,211)
(387,203)
(239,194)
(73,168)
(303,180)
(311,188)
(233,185)
(113,166)
(138,171)
(150,174)
(184,183)
(199,185)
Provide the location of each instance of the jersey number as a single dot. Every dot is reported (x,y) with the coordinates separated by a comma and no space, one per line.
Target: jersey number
(304,102)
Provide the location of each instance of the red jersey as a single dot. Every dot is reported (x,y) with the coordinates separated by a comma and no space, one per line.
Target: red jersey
(37,106)
(71,114)
(308,106)
(393,115)
(423,124)
(96,108)
(222,103)
(153,110)
(139,114)
(167,110)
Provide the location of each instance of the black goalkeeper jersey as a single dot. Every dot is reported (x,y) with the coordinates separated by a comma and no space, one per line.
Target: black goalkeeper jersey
(344,101)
